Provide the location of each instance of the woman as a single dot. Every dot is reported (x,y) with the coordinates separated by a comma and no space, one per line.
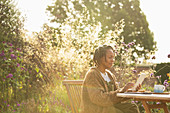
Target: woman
(100,87)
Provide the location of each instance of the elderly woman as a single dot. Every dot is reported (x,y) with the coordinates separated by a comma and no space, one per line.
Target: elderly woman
(100,87)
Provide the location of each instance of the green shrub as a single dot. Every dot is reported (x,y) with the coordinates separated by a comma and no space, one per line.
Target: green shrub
(13,75)
(162,69)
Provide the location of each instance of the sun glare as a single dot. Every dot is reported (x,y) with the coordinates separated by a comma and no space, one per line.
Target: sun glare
(156,12)
(34,11)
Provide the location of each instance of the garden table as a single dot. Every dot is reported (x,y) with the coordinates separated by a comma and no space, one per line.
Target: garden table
(145,97)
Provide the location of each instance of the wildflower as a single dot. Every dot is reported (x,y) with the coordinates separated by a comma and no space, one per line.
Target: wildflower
(5,58)
(168,74)
(2,53)
(3,42)
(151,74)
(126,50)
(18,64)
(18,49)
(123,43)
(133,101)
(159,76)
(8,105)
(116,52)
(133,43)
(168,55)
(158,103)
(18,104)
(135,71)
(153,57)
(13,56)
(128,45)
(166,84)
(11,50)
(9,76)
(10,44)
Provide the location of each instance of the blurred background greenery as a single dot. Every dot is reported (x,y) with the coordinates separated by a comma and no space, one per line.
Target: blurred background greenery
(33,66)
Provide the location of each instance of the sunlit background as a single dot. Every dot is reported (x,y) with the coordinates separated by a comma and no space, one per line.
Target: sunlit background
(35,60)
(156,11)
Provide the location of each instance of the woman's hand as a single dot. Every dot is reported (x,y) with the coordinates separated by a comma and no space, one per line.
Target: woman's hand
(138,87)
(127,86)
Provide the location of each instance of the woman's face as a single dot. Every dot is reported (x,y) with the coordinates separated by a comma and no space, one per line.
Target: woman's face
(108,61)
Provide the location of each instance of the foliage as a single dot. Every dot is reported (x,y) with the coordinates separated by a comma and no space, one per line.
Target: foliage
(162,69)
(108,12)
(11,23)
(20,84)
(73,43)
(13,75)
(54,99)
(76,38)
(16,75)
(66,52)
(31,76)
(162,74)
(19,79)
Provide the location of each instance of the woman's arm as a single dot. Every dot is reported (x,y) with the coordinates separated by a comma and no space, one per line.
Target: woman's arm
(97,94)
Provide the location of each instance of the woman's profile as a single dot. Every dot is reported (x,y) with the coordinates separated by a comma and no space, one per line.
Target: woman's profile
(100,86)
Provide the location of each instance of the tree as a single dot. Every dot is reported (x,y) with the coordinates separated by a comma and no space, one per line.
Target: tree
(11,22)
(108,12)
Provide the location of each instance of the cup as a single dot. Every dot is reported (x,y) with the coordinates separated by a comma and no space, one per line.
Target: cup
(159,88)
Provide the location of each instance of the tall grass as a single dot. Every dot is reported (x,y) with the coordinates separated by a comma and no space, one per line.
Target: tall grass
(53,100)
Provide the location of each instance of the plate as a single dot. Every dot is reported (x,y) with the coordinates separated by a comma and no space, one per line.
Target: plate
(165,93)
(138,92)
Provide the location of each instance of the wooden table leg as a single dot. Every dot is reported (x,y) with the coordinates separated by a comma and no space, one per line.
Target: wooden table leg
(165,107)
(149,107)
(146,107)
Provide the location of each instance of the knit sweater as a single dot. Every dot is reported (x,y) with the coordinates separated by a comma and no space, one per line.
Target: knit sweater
(96,97)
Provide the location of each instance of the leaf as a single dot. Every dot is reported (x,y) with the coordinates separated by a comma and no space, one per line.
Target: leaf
(37,69)
(40,75)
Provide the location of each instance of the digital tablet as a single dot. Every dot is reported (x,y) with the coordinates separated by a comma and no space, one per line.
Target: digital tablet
(139,81)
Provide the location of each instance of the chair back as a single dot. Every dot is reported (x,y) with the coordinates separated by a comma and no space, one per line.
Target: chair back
(73,88)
